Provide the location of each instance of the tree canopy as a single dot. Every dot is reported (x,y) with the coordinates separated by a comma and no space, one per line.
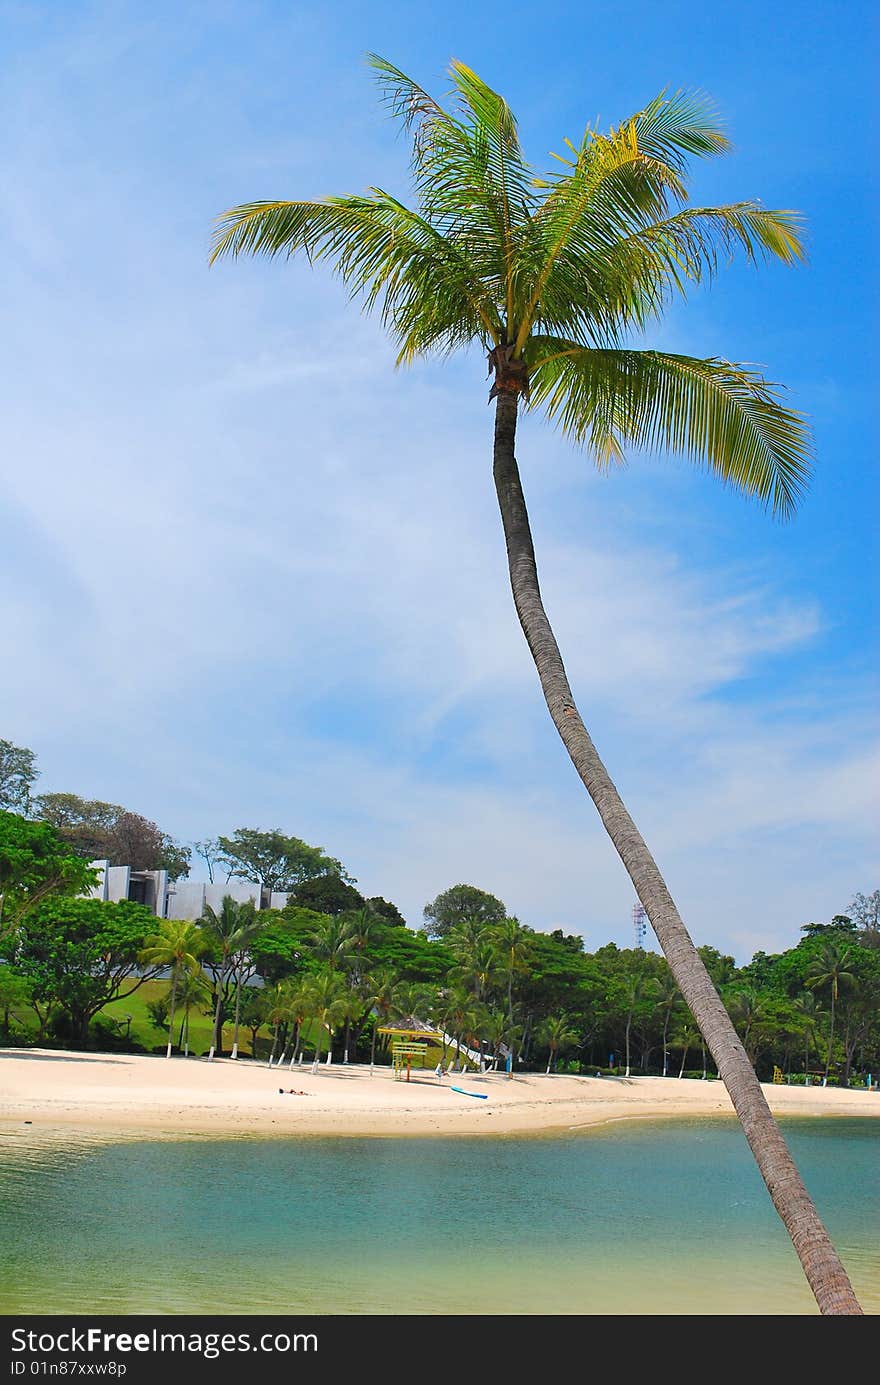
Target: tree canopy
(458,903)
(275,861)
(35,862)
(101,831)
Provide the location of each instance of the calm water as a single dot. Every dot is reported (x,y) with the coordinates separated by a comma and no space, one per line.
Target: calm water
(649,1218)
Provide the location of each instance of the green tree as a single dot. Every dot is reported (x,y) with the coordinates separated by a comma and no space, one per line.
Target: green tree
(637,988)
(550,276)
(387,911)
(668,999)
(177,944)
(458,904)
(513,943)
(333,945)
(274,861)
(229,933)
(558,1033)
(81,954)
(384,995)
(831,972)
(193,991)
(327,894)
(34,864)
(15,995)
(18,773)
(329,1001)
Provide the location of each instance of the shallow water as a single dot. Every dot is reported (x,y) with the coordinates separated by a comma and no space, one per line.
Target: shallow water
(653,1218)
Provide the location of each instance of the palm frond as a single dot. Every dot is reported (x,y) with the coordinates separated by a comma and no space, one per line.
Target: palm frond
(612,190)
(384,252)
(674,127)
(724,416)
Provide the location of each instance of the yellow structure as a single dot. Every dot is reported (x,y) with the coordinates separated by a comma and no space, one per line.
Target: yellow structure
(410,1039)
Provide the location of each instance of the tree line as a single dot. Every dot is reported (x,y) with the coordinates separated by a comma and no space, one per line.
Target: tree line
(323,975)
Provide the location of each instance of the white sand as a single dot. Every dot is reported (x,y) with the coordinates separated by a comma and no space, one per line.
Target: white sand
(124,1093)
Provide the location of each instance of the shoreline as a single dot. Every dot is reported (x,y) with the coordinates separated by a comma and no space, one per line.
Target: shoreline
(127,1095)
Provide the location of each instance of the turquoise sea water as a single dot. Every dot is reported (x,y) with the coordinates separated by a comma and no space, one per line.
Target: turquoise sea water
(656,1218)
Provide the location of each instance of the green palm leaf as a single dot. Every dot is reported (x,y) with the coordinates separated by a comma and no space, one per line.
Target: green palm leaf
(724,416)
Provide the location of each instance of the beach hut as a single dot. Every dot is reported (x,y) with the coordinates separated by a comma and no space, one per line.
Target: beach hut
(409,1041)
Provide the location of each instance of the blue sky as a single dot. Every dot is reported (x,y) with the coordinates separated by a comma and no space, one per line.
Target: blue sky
(251,575)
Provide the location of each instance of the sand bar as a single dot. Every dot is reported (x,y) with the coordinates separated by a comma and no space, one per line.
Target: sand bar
(128,1093)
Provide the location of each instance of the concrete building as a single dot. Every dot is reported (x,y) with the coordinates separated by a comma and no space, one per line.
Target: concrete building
(176,899)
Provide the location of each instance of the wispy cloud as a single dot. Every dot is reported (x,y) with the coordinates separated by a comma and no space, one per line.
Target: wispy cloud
(253,575)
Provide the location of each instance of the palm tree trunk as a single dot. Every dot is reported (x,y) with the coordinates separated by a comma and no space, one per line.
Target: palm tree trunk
(295,1054)
(824,1271)
(217,1036)
(683,1061)
(665,1050)
(171,1012)
(628,1023)
(830,1044)
(237,1012)
(318,1048)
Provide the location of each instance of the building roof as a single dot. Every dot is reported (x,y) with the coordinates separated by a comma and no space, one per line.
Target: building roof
(410,1026)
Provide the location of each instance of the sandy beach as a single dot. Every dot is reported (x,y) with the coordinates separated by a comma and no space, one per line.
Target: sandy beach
(127,1094)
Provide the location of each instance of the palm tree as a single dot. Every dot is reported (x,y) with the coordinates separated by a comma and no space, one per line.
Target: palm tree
(384,990)
(249,929)
(559,1034)
(299,1002)
(685,1038)
(178,944)
(229,931)
(668,998)
(805,1004)
(333,943)
(328,1004)
(828,972)
(636,987)
(550,276)
(192,990)
(513,942)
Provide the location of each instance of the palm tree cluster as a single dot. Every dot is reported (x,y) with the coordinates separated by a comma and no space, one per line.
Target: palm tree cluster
(501,994)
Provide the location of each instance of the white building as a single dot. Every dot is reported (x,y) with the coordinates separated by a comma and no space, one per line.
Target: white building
(175,899)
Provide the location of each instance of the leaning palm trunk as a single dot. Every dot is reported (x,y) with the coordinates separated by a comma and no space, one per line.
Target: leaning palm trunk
(825,1274)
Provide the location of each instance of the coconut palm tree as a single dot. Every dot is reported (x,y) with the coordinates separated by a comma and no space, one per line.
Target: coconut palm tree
(668,997)
(551,276)
(383,998)
(513,943)
(635,988)
(249,929)
(333,943)
(299,1003)
(807,1009)
(685,1036)
(329,1001)
(228,931)
(192,990)
(178,944)
(558,1034)
(828,972)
